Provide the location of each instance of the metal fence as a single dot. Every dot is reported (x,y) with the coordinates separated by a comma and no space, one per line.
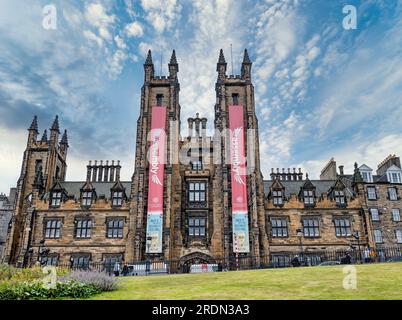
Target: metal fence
(274,260)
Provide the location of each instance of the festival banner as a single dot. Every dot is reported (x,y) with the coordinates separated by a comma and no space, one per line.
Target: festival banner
(155,184)
(239,187)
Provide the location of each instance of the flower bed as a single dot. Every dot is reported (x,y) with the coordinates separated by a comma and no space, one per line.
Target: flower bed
(22,284)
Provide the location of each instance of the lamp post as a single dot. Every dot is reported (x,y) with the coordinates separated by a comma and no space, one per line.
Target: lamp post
(299,233)
(356,235)
(148,263)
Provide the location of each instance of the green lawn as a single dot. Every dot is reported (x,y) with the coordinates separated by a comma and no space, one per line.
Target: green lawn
(375,281)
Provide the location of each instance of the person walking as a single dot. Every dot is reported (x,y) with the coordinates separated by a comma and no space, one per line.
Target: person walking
(116,269)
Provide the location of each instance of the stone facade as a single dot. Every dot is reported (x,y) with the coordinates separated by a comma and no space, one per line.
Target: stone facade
(104,219)
(6,213)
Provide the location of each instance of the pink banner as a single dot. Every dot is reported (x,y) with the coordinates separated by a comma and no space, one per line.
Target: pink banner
(155,184)
(239,180)
(237,158)
(156,159)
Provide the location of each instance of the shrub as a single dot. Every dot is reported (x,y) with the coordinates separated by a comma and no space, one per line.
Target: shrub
(100,280)
(6,272)
(36,290)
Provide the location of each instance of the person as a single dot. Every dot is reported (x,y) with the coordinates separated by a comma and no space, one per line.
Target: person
(366,254)
(220,267)
(347,259)
(116,269)
(295,261)
(125,270)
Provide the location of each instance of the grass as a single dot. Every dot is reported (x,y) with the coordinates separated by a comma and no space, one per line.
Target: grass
(375,281)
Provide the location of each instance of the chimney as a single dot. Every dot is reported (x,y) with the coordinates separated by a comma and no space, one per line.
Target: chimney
(388,162)
(341,173)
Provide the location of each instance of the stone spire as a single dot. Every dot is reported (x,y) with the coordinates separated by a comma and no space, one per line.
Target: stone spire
(64,139)
(149,69)
(55,125)
(34,125)
(44,136)
(173,66)
(246,66)
(221,67)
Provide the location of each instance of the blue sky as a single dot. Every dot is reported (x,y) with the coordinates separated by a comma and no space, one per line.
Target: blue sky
(321,91)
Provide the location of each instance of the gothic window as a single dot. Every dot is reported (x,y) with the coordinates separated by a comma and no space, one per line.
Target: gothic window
(38,166)
(279,227)
(396,215)
(371,193)
(52,228)
(80,261)
(115,228)
(342,227)
(235,98)
(117,198)
(197,192)
(311,227)
(110,261)
(375,216)
(308,196)
(159,99)
(50,260)
(277,197)
(398,235)
(392,194)
(86,198)
(83,228)
(196,165)
(196,226)
(339,197)
(55,199)
(377,236)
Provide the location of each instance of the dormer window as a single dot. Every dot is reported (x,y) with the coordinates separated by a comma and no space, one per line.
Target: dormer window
(339,197)
(55,199)
(308,197)
(117,198)
(277,197)
(367,173)
(86,198)
(394,177)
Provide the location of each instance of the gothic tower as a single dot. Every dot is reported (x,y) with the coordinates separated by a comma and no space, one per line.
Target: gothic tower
(235,94)
(159,100)
(44,163)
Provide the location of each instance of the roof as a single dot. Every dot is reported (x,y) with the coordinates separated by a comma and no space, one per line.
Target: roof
(101,188)
(294,186)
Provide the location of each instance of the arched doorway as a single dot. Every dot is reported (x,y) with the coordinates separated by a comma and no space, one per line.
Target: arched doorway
(194,258)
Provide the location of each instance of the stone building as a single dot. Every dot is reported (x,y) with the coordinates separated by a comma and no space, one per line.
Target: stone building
(196,198)
(6,213)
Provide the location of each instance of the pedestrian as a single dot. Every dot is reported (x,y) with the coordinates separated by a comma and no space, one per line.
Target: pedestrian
(347,259)
(116,269)
(295,261)
(125,270)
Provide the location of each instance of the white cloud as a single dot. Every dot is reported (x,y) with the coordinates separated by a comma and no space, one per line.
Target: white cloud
(96,16)
(161,14)
(134,29)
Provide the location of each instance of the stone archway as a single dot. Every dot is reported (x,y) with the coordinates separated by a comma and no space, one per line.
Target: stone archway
(194,258)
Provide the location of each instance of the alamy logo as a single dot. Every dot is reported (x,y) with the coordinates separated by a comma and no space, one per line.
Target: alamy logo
(236,155)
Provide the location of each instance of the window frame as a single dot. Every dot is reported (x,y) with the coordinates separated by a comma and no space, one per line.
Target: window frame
(194,226)
(377,232)
(398,239)
(197,195)
(277,197)
(85,198)
(117,201)
(393,210)
(310,197)
(378,214)
(340,197)
(56,229)
(58,198)
(392,196)
(87,230)
(342,229)
(280,230)
(118,229)
(315,227)
(372,193)
(86,258)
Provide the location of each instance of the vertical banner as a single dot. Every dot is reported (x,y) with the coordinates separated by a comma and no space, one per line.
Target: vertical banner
(155,184)
(238,174)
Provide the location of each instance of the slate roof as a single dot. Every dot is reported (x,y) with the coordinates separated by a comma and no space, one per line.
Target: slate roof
(101,188)
(322,186)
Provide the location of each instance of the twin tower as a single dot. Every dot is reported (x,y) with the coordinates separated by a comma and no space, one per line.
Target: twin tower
(203,209)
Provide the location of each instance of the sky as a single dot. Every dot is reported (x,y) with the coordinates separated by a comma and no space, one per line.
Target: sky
(322,91)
